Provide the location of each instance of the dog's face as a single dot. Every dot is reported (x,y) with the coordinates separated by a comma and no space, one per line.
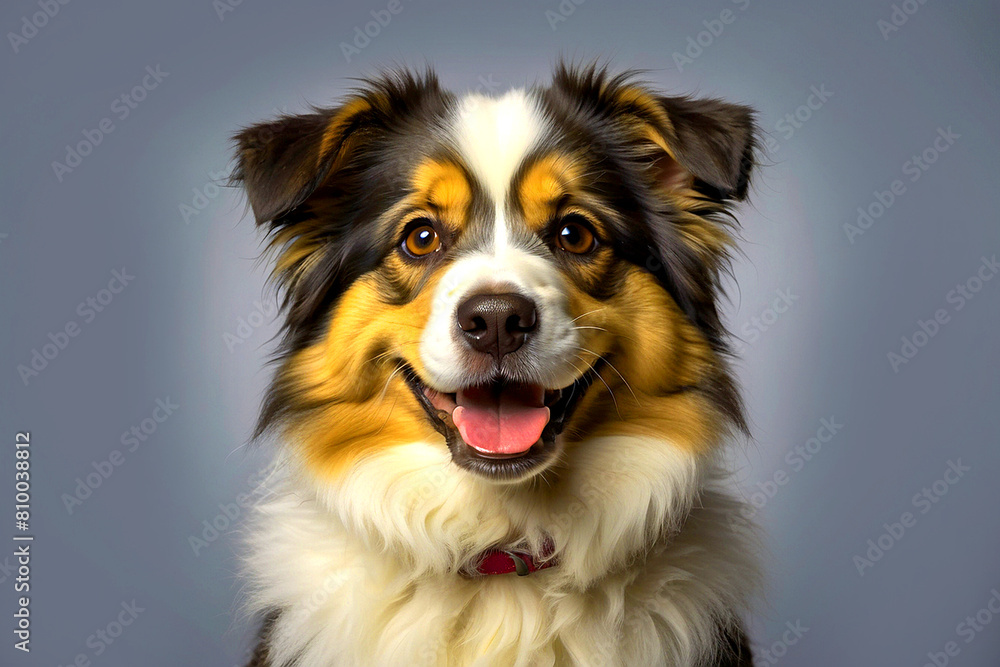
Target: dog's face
(502,276)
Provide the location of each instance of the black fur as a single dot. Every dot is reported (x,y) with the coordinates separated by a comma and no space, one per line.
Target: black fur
(331,188)
(334,197)
(714,140)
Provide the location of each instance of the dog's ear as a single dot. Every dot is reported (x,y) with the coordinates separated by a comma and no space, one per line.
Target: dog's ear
(280,163)
(699,155)
(693,159)
(709,145)
(704,147)
(313,181)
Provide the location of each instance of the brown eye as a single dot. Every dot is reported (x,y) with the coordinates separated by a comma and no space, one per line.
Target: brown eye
(421,240)
(575,236)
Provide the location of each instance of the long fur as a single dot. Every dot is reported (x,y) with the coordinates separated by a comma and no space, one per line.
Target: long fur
(361,554)
(651,566)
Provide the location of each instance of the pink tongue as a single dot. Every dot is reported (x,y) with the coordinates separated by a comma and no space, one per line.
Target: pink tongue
(508,423)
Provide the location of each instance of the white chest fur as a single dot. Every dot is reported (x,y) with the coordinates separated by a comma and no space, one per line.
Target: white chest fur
(364,573)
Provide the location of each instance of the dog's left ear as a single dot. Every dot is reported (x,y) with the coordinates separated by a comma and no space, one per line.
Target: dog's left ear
(701,147)
(709,145)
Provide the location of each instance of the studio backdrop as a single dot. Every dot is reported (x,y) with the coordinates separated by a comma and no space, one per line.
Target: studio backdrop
(137,324)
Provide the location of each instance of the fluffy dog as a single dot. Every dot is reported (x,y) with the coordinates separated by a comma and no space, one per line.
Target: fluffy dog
(502,356)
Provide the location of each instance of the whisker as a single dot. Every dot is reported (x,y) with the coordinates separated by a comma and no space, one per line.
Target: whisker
(389,352)
(596,310)
(234,451)
(620,335)
(391,407)
(385,389)
(610,390)
(605,360)
(404,324)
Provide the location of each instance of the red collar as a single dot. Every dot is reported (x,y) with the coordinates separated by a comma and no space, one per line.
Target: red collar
(505,561)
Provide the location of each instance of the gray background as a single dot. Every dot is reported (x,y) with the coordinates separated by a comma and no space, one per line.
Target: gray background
(825,357)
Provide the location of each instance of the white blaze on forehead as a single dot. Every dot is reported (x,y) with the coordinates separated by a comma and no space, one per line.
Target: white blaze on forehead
(494,134)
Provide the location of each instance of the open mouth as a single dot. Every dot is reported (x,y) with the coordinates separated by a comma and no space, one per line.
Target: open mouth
(501,430)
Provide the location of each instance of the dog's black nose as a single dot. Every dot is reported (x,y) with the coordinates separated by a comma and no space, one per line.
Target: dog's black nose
(497,324)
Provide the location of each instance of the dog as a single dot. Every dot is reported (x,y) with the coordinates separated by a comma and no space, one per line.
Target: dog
(503,387)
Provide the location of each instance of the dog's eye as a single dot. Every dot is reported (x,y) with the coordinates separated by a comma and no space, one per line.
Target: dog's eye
(575,235)
(422,240)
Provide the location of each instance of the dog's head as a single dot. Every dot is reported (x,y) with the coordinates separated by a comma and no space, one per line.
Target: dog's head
(505,277)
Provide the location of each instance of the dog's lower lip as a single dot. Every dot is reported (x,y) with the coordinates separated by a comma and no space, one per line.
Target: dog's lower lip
(499,457)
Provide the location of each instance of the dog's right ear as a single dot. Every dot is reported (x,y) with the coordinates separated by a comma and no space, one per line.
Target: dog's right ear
(280,163)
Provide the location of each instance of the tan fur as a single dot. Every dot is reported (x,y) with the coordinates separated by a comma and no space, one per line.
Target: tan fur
(362,547)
